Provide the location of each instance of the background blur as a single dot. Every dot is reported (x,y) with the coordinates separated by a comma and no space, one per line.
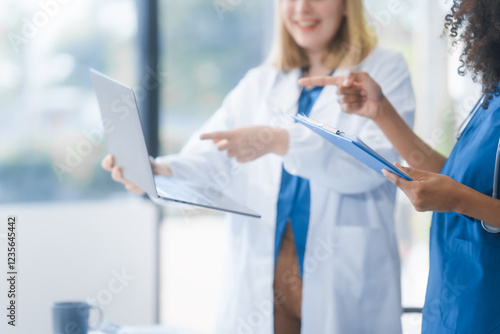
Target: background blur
(78,228)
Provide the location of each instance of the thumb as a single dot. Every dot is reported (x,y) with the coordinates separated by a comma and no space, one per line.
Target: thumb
(349,80)
(161,169)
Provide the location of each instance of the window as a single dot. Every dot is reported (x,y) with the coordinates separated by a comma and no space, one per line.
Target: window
(208,46)
(50,138)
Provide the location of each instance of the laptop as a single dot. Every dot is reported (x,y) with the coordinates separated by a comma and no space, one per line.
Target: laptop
(125,141)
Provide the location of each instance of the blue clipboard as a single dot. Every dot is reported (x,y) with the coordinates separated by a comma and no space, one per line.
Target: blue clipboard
(351,145)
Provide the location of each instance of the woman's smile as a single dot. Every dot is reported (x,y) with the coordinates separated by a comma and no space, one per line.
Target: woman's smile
(306,25)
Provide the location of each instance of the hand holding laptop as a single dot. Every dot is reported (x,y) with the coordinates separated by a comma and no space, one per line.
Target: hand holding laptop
(136,170)
(108,163)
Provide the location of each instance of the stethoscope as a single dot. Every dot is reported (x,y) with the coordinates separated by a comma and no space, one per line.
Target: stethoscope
(496,178)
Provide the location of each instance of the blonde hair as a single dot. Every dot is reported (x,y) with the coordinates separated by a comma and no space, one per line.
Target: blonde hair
(348,48)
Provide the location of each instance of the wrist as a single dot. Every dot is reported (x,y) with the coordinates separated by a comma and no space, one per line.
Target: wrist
(385,116)
(280,142)
(460,199)
(382,111)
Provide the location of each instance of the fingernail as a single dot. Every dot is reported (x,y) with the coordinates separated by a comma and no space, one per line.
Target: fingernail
(385,172)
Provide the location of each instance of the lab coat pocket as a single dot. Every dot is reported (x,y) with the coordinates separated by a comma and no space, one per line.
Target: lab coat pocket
(366,273)
(469,300)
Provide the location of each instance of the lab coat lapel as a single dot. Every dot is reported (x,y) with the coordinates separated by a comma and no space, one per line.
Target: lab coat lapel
(285,94)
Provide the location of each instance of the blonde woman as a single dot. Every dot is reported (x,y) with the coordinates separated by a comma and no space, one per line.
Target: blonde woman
(323,258)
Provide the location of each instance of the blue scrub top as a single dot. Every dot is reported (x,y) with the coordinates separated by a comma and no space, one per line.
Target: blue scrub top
(463,291)
(294,199)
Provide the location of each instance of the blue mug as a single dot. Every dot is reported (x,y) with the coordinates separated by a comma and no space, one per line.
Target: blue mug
(73,317)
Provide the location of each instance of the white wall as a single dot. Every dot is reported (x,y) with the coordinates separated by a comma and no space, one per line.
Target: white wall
(75,251)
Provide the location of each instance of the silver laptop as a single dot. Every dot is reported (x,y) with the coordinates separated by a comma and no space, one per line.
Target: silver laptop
(125,141)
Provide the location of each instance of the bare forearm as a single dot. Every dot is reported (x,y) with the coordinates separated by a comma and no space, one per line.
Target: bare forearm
(474,204)
(411,147)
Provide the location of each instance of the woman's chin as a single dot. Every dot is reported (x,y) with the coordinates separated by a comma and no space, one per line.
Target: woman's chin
(311,46)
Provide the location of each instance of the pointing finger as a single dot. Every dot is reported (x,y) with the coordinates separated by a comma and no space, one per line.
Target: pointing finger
(321,81)
(216,135)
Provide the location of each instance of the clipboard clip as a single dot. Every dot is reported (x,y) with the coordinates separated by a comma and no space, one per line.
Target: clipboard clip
(321,125)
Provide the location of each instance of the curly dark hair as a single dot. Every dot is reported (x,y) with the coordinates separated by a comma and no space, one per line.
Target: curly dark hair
(476,23)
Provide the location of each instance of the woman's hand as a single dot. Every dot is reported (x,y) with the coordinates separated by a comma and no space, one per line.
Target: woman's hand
(249,143)
(428,191)
(108,163)
(357,93)
(435,192)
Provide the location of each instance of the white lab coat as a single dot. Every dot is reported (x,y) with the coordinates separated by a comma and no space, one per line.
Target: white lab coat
(351,268)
